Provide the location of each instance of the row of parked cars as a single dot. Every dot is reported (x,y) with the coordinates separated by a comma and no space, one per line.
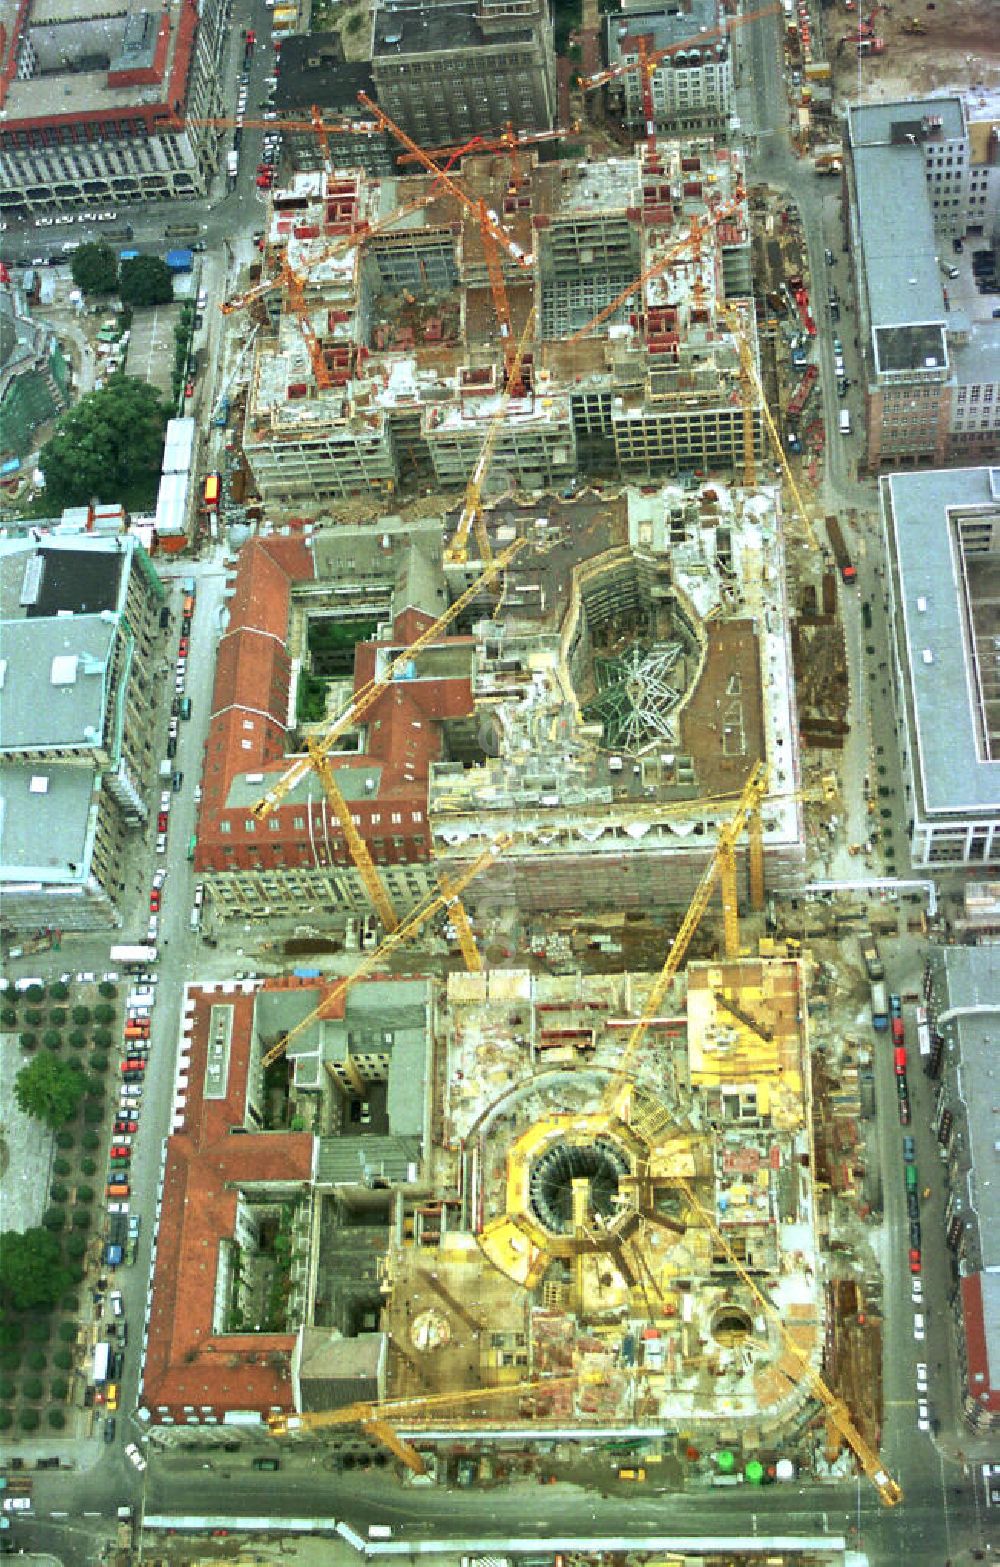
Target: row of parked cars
(123,1225)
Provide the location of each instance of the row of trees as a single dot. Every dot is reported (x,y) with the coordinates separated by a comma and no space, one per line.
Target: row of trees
(109,444)
(141,280)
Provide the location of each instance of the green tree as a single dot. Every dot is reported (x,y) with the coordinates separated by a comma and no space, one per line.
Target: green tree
(88,1167)
(146,280)
(37,1360)
(109,444)
(95,268)
(8,1017)
(52,1039)
(58,1387)
(67,1332)
(57,1017)
(50,1090)
(92,1113)
(85,1194)
(81,1016)
(10,1359)
(61,1167)
(6,1418)
(39,1330)
(81,1219)
(76,1245)
(63,1359)
(58,990)
(11,1331)
(65,1139)
(7,1389)
(35,994)
(103,1013)
(28,1040)
(54,1218)
(56,1418)
(32,1272)
(58,1192)
(108,989)
(77,1039)
(33,1016)
(28,1419)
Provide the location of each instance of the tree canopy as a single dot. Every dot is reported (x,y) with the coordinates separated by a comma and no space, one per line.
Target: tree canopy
(32,1272)
(108,447)
(95,268)
(50,1090)
(146,280)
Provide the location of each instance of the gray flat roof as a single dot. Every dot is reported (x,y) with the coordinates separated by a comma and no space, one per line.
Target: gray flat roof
(680,26)
(428,26)
(973,975)
(922,517)
(54,686)
(871,123)
(45,823)
(904,281)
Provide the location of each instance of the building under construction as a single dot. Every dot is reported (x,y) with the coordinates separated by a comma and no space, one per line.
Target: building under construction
(527,1193)
(388,347)
(602,717)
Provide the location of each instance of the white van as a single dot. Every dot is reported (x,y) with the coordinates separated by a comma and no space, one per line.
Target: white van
(845,421)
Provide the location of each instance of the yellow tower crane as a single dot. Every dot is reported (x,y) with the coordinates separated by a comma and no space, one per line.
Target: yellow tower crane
(448,898)
(722,865)
(457,552)
(380,1419)
(837,1411)
(749,376)
(317,754)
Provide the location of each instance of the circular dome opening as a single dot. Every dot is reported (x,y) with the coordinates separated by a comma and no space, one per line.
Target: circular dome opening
(600,1163)
(731,1326)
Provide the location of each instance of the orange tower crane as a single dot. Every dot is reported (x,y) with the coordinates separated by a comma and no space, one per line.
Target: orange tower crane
(693,239)
(497,243)
(646,60)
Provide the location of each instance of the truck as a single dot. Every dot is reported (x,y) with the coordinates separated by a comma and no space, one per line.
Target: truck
(874,967)
(232,164)
(179,260)
(842,556)
(140,955)
(880,1006)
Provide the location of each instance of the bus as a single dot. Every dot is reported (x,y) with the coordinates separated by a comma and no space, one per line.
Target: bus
(213,489)
(102,1363)
(192,845)
(923,1036)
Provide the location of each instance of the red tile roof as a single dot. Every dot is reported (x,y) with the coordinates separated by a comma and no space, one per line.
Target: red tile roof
(980,1386)
(190,1371)
(249,727)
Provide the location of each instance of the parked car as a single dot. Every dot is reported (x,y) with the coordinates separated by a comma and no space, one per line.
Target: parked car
(110,1427)
(919,1331)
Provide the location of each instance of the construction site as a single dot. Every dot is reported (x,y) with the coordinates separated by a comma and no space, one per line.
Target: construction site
(621,283)
(569,1169)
